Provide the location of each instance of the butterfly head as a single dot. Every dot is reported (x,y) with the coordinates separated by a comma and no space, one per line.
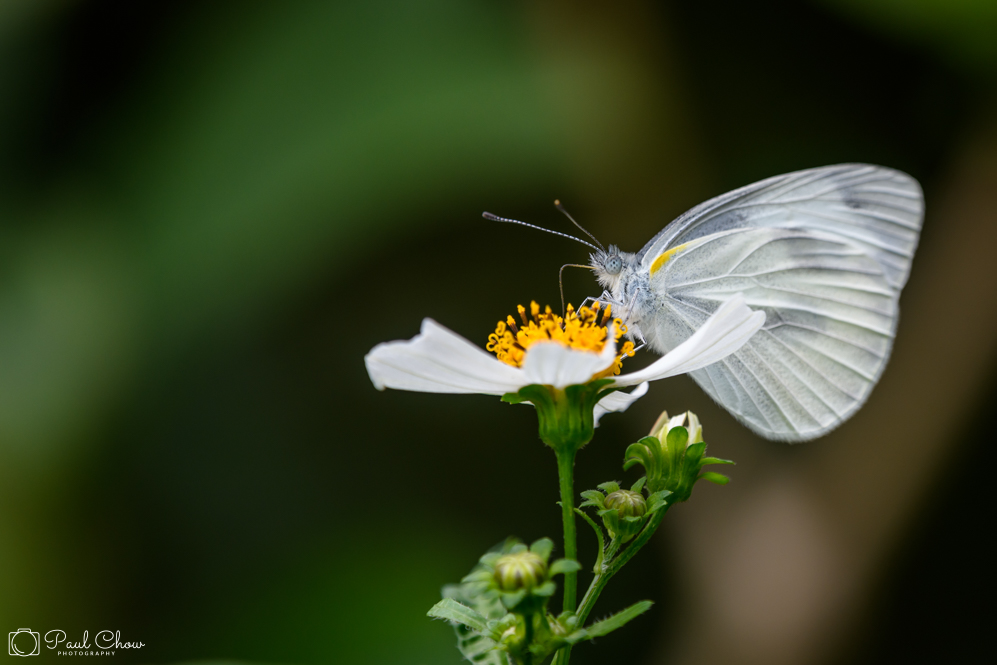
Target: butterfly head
(610,265)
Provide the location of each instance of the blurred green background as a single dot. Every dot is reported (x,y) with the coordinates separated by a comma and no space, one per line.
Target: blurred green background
(209,211)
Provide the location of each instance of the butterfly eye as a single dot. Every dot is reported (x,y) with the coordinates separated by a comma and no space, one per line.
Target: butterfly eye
(614,264)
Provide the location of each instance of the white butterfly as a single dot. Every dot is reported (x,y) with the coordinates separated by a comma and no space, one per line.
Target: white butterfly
(823,252)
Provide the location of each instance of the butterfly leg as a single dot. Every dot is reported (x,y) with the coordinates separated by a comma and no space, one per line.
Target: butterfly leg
(605,297)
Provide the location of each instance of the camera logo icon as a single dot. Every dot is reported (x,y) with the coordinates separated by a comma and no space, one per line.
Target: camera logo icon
(24,642)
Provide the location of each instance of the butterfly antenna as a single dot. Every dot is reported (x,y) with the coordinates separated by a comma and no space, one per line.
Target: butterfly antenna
(496,218)
(557,204)
(560,282)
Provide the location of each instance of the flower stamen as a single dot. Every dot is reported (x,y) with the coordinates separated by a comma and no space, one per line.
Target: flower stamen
(583,329)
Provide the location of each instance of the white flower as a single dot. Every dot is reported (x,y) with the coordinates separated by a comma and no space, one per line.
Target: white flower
(438,360)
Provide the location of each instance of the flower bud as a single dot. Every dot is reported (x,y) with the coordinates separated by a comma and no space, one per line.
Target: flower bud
(521,570)
(626,503)
(664,424)
(673,457)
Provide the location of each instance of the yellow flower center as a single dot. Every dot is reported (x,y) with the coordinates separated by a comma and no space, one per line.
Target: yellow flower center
(586,330)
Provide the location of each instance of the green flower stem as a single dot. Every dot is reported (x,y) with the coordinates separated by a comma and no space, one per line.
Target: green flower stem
(566,425)
(566,475)
(601,579)
(528,640)
(614,545)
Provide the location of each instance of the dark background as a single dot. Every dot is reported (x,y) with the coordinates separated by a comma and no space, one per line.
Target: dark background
(209,212)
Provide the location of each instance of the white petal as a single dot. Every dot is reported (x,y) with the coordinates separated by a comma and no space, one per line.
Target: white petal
(677,421)
(553,364)
(695,429)
(618,401)
(724,332)
(438,360)
(661,424)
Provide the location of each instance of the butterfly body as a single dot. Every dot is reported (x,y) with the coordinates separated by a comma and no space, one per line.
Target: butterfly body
(823,252)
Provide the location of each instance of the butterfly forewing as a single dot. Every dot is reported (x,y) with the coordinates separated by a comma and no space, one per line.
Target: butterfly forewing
(875,208)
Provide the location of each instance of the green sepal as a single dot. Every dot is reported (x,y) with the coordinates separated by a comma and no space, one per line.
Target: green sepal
(490,558)
(542,548)
(695,452)
(545,590)
(609,487)
(510,600)
(451,610)
(715,478)
(639,485)
(714,460)
(675,442)
(672,465)
(608,391)
(566,416)
(645,452)
(568,619)
(517,548)
(562,566)
(514,398)
(477,576)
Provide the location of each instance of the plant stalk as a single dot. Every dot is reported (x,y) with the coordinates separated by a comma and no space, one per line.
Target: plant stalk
(566,473)
(602,578)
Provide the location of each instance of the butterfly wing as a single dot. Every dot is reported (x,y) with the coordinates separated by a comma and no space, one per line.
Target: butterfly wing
(824,253)
(873,207)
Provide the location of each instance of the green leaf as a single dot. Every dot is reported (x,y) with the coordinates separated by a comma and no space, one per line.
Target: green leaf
(611,486)
(639,485)
(562,566)
(608,625)
(593,498)
(715,478)
(514,398)
(451,610)
(477,648)
(714,460)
